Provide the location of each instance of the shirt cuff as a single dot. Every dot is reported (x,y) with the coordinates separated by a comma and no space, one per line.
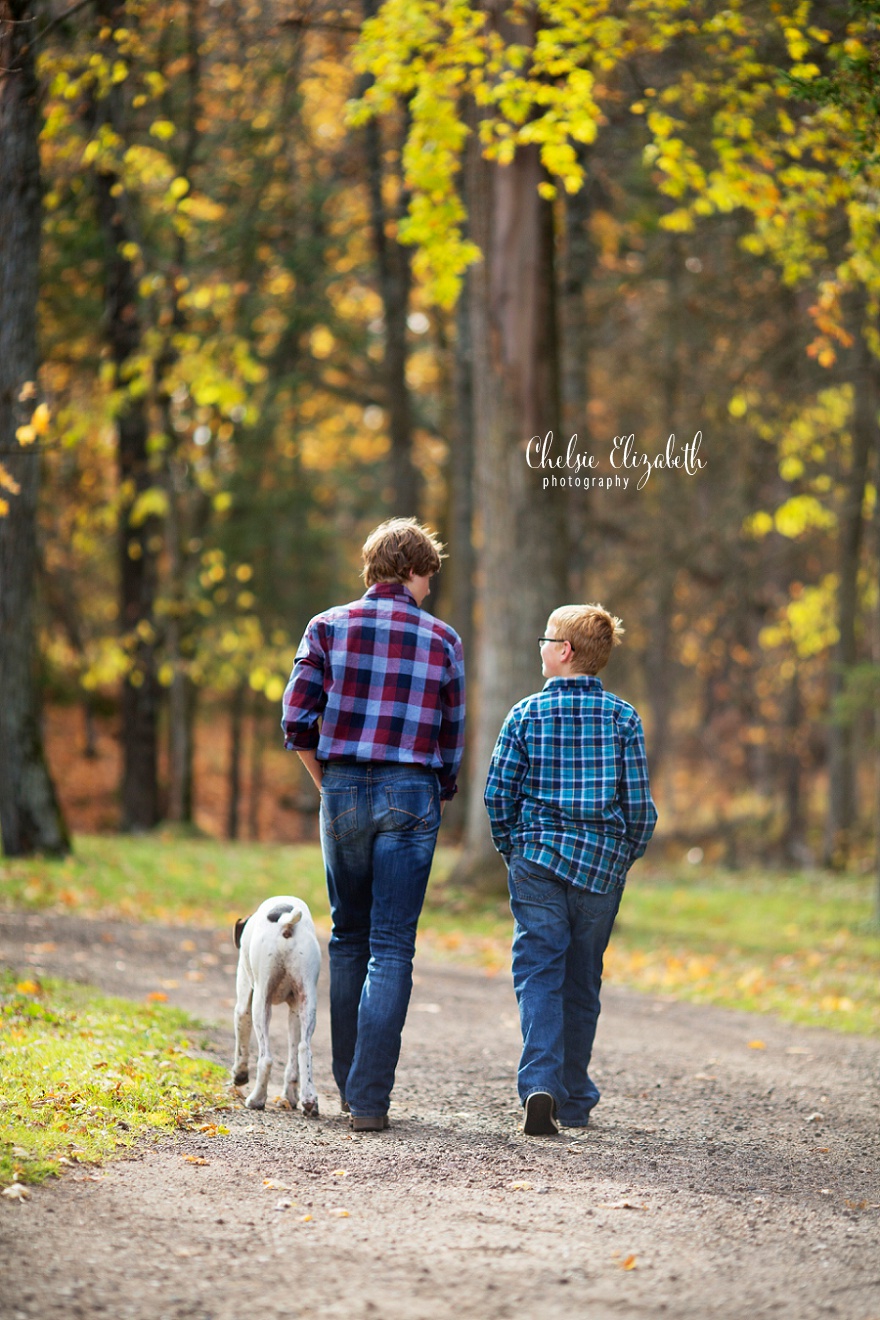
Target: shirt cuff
(302,740)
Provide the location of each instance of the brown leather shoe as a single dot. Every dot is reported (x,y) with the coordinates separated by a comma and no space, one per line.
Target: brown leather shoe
(368,1122)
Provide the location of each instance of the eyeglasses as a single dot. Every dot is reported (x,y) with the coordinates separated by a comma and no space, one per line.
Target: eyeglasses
(542,640)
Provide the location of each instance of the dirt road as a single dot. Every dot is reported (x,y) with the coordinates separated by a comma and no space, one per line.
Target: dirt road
(717,1180)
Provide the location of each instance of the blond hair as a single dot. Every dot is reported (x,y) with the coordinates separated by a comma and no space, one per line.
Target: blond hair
(398,547)
(592,632)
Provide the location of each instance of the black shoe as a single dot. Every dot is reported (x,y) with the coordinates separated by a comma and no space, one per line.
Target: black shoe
(343,1104)
(539,1115)
(368,1122)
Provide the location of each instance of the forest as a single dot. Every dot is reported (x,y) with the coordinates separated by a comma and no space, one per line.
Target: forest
(590,287)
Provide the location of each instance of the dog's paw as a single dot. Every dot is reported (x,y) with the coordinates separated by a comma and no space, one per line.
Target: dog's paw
(255,1102)
(241,1077)
(310,1109)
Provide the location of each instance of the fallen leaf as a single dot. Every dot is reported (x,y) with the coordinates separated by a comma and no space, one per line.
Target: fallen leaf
(621,1205)
(157,997)
(757,1045)
(28,988)
(628,1264)
(16,1192)
(195,1159)
(339,1173)
(188,946)
(340,1214)
(815,1118)
(274,1186)
(305,1219)
(520,1186)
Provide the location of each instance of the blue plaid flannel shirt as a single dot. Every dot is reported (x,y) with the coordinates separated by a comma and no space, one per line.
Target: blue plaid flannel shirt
(568,784)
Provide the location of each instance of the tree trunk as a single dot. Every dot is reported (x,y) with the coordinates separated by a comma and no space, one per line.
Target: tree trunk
(876,658)
(453,596)
(256,785)
(578,264)
(182,703)
(30,817)
(182,693)
(793,842)
(233,776)
(660,661)
(395,280)
(841,760)
(137,538)
(521,540)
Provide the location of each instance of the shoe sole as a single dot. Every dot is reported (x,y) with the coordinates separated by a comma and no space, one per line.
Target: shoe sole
(540,1115)
(378,1123)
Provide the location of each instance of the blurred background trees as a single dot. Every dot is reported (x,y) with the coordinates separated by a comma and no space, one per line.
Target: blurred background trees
(262,328)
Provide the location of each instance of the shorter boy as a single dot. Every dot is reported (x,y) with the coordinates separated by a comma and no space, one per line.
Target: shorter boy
(571,810)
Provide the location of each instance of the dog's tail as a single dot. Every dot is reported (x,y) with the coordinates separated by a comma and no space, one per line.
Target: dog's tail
(287,924)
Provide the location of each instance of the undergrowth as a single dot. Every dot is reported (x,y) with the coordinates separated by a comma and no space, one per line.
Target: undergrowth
(84,1075)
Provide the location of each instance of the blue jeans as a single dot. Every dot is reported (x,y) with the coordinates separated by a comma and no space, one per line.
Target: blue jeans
(559,939)
(379,826)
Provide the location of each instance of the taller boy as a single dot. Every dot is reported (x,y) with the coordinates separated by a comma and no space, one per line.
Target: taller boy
(571,810)
(385,681)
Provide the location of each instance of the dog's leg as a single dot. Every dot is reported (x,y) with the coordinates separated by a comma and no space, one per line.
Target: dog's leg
(308,1012)
(244,994)
(291,1072)
(262,1011)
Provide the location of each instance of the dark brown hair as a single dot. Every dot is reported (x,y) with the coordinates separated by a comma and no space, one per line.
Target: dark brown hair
(399,547)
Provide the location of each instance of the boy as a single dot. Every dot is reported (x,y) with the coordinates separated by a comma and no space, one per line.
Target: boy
(570,810)
(385,681)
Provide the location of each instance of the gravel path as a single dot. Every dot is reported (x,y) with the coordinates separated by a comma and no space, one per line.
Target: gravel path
(716,1179)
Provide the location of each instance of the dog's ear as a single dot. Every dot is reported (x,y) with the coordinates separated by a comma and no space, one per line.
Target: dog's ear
(239,927)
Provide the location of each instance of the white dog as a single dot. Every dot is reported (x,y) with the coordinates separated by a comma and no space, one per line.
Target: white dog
(279,961)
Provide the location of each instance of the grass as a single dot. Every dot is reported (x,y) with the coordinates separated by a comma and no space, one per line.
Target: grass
(801,946)
(84,1075)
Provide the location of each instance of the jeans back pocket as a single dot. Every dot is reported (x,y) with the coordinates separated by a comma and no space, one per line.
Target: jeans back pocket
(339,810)
(413,806)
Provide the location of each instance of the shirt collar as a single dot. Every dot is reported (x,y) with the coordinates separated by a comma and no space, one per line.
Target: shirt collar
(388,589)
(574,680)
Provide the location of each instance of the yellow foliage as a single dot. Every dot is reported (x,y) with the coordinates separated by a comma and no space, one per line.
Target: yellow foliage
(8,481)
(803,513)
(151,503)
